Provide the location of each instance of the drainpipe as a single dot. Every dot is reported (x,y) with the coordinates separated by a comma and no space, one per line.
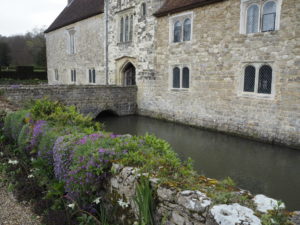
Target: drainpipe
(106,40)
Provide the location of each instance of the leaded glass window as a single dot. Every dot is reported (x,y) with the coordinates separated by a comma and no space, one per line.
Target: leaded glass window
(185,77)
(252,19)
(122,30)
(187,30)
(126,29)
(177,31)
(131,28)
(249,79)
(265,80)
(269,16)
(176,77)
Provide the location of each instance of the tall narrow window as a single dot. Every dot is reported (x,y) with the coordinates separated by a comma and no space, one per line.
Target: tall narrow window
(73,75)
(249,79)
(176,77)
(122,30)
(119,3)
(72,41)
(252,19)
(56,76)
(126,29)
(185,77)
(131,28)
(187,30)
(269,16)
(177,32)
(144,9)
(92,76)
(265,80)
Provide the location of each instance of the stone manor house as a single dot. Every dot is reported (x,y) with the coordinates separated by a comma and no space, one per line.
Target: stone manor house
(227,65)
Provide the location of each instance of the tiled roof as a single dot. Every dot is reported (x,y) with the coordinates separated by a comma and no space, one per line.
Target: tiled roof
(76,11)
(174,6)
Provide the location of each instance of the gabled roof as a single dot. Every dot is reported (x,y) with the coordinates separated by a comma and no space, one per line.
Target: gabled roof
(174,6)
(77,10)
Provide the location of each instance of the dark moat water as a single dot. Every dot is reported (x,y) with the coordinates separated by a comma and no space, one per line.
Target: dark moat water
(258,167)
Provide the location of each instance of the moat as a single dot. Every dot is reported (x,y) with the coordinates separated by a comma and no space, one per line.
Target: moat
(261,168)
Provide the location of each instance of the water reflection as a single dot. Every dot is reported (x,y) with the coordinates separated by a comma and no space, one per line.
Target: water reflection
(258,167)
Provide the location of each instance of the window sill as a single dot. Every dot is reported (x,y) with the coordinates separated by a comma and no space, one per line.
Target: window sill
(124,43)
(261,34)
(179,89)
(257,95)
(181,42)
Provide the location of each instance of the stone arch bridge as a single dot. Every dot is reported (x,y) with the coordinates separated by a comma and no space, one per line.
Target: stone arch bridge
(88,99)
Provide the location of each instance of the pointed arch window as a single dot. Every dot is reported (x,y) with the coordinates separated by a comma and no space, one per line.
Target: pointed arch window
(252,19)
(176,77)
(180,77)
(260,16)
(269,16)
(177,31)
(187,28)
(185,77)
(249,79)
(258,79)
(265,80)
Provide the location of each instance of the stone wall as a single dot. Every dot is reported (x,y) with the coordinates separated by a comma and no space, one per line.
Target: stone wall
(216,56)
(141,50)
(185,207)
(88,99)
(89,52)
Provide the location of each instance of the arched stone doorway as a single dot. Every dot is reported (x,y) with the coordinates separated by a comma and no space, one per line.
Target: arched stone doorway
(129,75)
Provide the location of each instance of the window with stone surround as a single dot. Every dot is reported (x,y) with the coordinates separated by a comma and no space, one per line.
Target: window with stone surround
(180,77)
(260,16)
(71,42)
(56,76)
(143,9)
(126,27)
(92,76)
(181,27)
(73,75)
(258,79)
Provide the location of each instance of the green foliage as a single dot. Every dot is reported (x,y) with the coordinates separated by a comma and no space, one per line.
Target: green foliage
(8,81)
(144,201)
(13,124)
(24,137)
(62,116)
(278,216)
(86,219)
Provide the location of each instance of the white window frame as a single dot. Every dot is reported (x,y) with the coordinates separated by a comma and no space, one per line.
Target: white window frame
(245,4)
(181,18)
(92,81)
(255,94)
(71,41)
(180,66)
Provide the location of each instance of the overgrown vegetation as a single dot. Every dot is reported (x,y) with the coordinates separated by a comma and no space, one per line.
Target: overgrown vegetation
(65,159)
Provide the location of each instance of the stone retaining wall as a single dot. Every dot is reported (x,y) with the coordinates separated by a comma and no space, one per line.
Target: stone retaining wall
(175,207)
(88,99)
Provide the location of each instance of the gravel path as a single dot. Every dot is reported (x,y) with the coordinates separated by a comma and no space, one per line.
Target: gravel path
(13,212)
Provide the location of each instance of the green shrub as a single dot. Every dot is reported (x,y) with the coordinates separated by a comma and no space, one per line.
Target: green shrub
(14,123)
(24,137)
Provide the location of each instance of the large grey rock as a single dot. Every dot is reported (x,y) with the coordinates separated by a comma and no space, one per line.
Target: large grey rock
(264,204)
(194,201)
(234,214)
